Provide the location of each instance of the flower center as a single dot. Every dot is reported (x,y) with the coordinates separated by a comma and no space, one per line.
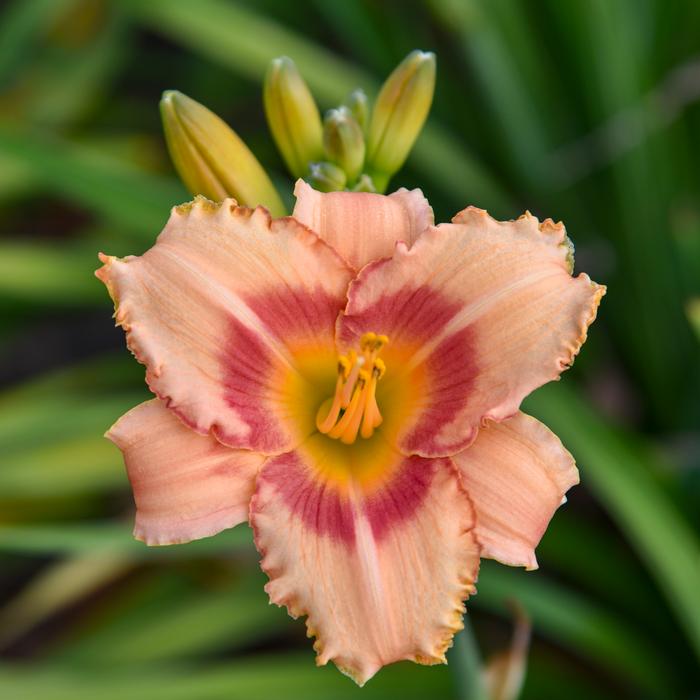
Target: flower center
(353,408)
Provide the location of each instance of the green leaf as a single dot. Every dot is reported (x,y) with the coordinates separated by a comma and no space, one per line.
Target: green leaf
(159,623)
(90,537)
(467,666)
(34,424)
(499,58)
(622,478)
(49,274)
(56,447)
(57,586)
(66,83)
(577,623)
(256,677)
(120,192)
(69,466)
(108,375)
(22,25)
(645,292)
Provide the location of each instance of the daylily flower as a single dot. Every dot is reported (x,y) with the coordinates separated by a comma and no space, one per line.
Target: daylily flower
(348,380)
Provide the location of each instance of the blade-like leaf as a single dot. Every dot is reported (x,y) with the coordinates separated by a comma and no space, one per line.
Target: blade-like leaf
(70,539)
(259,677)
(622,479)
(100,182)
(577,624)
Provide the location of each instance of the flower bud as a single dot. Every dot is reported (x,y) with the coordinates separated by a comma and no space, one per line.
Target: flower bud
(364,184)
(326,177)
(399,114)
(210,157)
(344,142)
(359,107)
(293,116)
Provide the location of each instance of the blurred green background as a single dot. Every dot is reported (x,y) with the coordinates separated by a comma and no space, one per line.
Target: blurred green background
(585,111)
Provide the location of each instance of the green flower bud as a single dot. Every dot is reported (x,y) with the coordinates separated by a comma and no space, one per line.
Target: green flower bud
(358,105)
(399,114)
(344,142)
(364,184)
(293,116)
(210,157)
(326,177)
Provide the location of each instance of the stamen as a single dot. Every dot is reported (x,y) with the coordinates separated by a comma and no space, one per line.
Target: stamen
(350,411)
(353,408)
(352,378)
(349,434)
(325,424)
(372,418)
(367,339)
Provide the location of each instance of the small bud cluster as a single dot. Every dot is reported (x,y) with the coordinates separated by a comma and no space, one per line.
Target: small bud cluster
(353,148)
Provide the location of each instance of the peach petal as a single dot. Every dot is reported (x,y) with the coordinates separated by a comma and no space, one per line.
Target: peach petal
(216,311)
(363,226)
(186,486)
(381,572)
(481,313)
(516,473)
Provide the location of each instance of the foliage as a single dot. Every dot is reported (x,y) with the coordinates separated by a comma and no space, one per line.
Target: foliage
(584,111)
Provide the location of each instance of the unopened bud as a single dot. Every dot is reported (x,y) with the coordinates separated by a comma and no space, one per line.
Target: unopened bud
(359,107)
(364,184)
(344,142)
(293,116)
(210,157)
(326,177)
(399,114)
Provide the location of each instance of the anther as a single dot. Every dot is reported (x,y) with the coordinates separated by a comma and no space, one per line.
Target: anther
(381,341)
(379,368)
(368,340)
(343,367)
